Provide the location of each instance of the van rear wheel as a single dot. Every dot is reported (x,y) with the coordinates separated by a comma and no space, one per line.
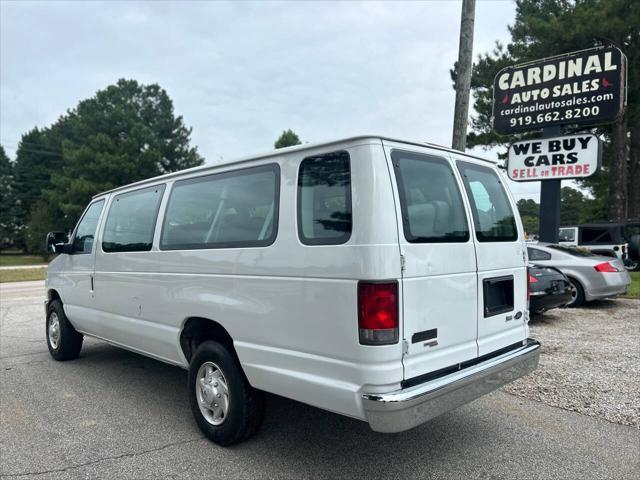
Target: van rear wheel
(63,341)
(225,406)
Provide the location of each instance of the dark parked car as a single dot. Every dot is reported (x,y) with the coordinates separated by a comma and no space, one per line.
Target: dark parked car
(548,288)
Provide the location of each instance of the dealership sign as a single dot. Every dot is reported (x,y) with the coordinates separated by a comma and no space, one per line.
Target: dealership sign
(572,156)
(586,87)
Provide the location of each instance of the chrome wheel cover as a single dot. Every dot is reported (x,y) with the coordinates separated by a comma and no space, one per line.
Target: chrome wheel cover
(212,393)
(53,330)
(574,294)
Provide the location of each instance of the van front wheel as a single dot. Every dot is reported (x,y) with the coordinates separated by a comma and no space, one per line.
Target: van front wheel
(225,406)
(63,340)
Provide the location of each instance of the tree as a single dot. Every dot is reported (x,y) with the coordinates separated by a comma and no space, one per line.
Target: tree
(126,132)
(37,158)
(548,27)
(575,208)
(573,205)
(7,225)
(42,219)
(529,213)
(528,206)
(531,224)
(287,139)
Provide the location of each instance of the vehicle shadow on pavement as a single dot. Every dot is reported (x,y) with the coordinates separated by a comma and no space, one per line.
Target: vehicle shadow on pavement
(302,436)
(600,304)
(114,409)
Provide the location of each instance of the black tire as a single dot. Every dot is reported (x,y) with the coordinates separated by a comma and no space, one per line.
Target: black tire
(245,404)
(578,298)
(67,343)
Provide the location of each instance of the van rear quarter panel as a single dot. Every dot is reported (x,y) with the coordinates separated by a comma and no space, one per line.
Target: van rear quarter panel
(290,308)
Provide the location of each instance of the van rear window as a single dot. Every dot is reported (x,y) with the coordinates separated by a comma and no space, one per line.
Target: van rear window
(431,203)
(324,199)
(492,214)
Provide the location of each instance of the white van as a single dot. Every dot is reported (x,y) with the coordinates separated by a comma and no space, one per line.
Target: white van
(380,279)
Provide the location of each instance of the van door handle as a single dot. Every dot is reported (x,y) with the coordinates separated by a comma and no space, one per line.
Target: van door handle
(91,280)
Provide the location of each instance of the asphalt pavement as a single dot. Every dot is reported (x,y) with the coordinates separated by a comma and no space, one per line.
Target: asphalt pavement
(114,414)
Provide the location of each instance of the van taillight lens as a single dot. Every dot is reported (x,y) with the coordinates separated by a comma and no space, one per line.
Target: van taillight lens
(530,279)
(605,267)
(378,313)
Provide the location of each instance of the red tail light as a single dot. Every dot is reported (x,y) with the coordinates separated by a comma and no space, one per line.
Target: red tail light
(530,279)
(378,313)
(605,267)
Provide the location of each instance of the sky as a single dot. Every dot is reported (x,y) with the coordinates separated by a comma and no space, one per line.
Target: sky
(240,73)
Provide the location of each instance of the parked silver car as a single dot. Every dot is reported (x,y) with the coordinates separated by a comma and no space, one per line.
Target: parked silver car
(592,276)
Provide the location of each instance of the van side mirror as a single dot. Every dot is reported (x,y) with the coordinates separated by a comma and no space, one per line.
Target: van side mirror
(57,242)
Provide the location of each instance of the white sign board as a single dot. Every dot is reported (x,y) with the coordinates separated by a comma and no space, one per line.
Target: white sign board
(572,156)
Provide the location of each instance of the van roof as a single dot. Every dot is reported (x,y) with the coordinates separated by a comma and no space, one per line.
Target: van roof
(281,151)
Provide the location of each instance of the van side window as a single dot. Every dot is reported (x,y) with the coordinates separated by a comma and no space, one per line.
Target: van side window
(492,213)
(324,199)
(223,210)
(131,220)
(86,230)
(430,200)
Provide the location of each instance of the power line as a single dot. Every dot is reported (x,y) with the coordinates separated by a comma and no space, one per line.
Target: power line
(33,144)
(28,150)
(37,145)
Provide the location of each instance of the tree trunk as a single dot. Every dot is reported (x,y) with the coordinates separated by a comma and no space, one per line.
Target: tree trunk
(618,172)
(463,76)
(633,183)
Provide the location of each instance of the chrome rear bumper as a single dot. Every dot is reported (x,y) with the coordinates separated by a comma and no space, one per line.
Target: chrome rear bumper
(407,408)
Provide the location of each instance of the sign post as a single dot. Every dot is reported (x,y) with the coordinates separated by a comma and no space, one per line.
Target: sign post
(579,88)
(550,190)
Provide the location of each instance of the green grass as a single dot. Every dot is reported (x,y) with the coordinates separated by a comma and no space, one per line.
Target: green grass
(634,288)
(22,274)
(15,259)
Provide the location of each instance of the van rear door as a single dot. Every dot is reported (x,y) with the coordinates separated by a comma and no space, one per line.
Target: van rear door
(501,258)
(439,280)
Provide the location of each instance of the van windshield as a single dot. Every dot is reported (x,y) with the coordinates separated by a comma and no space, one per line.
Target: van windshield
(431,203)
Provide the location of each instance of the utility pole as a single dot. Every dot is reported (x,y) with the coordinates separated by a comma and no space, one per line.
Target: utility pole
(463,75)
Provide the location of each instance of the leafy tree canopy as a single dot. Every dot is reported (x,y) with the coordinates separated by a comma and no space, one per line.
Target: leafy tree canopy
(575,208)
(528,206)
(6,197)
(126,132)
(287,139)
